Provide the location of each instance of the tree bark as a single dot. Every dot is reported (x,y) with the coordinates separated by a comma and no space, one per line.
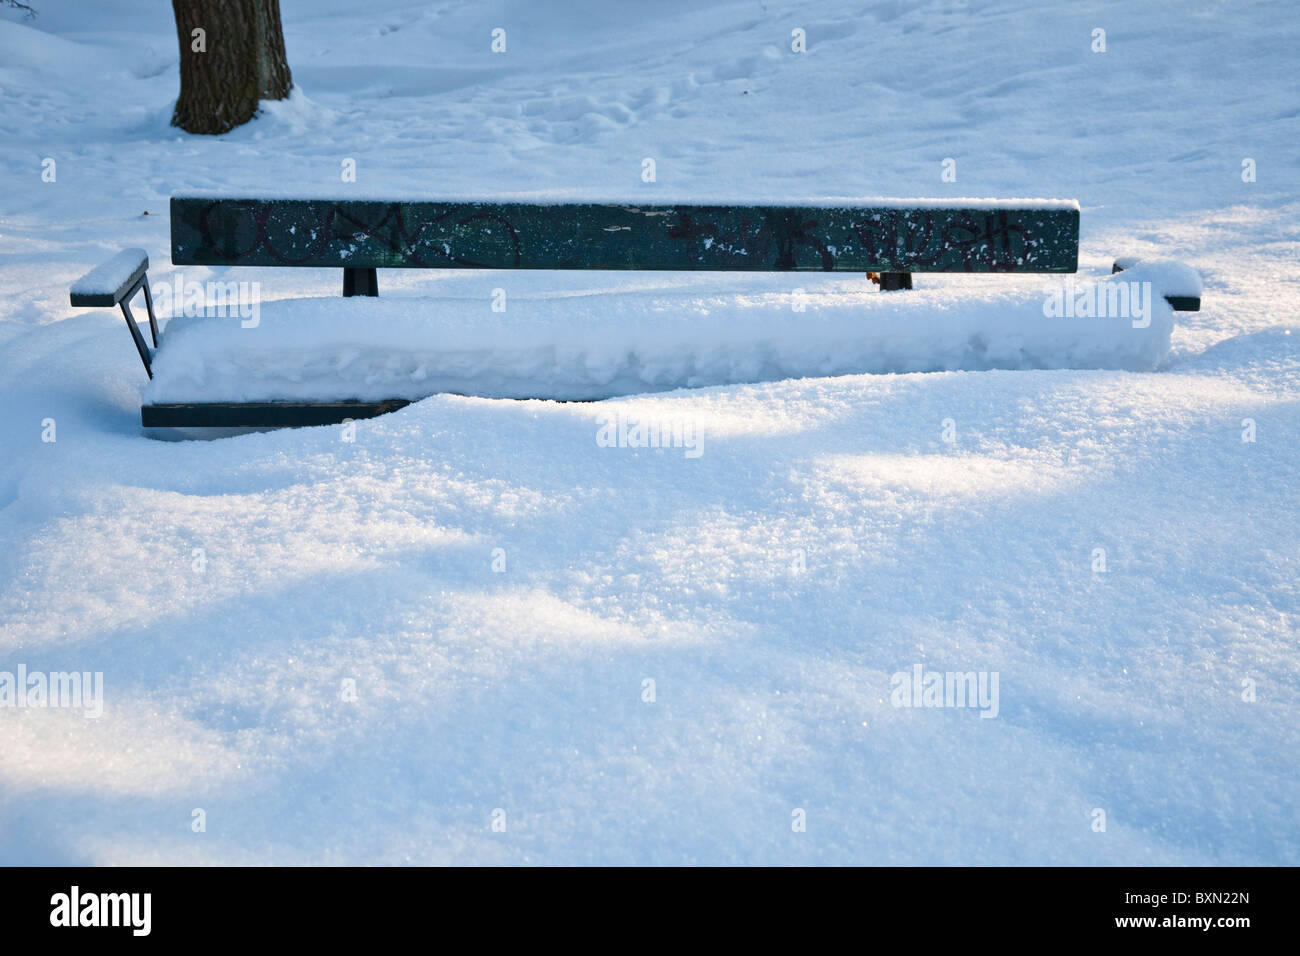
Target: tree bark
(242,61)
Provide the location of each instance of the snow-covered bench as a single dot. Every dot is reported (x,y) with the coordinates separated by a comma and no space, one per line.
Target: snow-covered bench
(321,361)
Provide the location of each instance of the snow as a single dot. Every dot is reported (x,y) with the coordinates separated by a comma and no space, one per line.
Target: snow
(108,277)
(833,533)
(602,346)
(1170,277)
(563,196)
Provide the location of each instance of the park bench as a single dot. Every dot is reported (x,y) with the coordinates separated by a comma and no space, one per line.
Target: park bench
(886,239)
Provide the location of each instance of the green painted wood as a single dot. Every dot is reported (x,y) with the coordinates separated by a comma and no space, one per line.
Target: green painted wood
(262,414)
(487,235)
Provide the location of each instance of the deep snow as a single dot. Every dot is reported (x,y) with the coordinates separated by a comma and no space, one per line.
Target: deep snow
(828,537)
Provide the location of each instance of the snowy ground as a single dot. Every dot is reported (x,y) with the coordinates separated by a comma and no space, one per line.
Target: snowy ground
(826,538)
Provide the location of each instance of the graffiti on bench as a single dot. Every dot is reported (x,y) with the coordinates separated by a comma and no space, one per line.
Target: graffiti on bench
(476,235)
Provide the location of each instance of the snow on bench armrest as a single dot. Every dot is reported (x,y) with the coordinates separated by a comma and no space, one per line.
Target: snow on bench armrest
(1180,284)
(107,283)
(1173,277)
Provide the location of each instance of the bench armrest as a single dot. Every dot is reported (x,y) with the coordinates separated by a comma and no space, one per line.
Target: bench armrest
(107,284)
(1181,284)
(116,282)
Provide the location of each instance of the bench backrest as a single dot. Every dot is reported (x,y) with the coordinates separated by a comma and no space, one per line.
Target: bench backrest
(882,236)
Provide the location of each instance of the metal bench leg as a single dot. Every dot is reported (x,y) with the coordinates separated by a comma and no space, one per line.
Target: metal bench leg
(135,334)
(360,282)
(148,301)
(125,303)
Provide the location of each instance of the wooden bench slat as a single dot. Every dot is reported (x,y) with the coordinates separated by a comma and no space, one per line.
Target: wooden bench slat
(515,235)
(262,414)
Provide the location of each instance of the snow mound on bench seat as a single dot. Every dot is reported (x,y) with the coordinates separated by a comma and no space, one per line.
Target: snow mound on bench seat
(608,344)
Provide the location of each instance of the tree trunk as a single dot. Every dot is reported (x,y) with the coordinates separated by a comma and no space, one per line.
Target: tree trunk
(236,62)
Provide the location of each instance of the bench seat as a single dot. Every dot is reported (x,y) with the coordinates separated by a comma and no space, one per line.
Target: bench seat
(376,350)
